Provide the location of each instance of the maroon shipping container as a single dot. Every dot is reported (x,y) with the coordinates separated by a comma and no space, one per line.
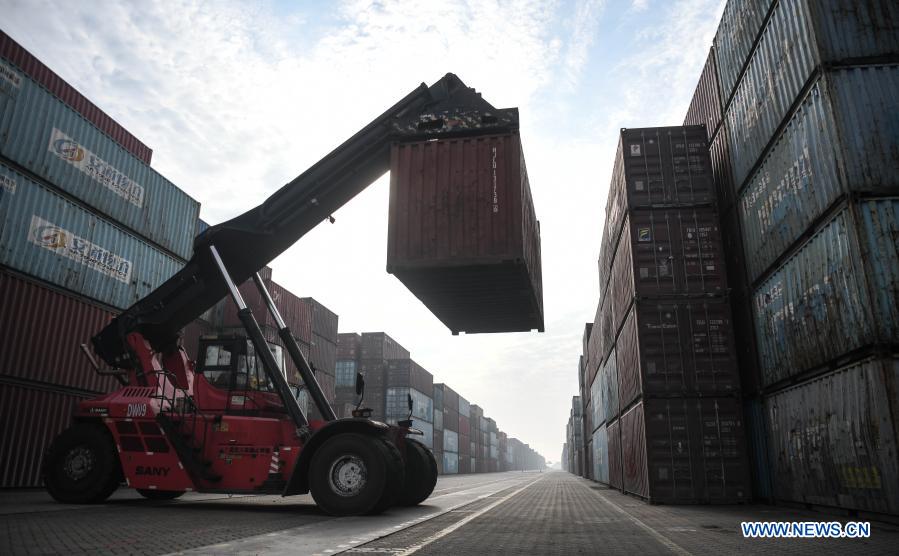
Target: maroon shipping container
(349,346)
(595,352)
(677,346)
(655,167)
(42,330)
(450,420)
(190,337)
(380,346)
(11,51)
(324,320)
(667,251)
(296,312)
(615,474)
(463,235)
(464,464)
(705,108)
(585,340)
(464,429)
(450,399)
(438,441)
(609,330)
(30,418)
(407,373)
(323,354)
(685,451)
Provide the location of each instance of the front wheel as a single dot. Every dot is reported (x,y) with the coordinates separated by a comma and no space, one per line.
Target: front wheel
(348,474)
(421,474)
(82,466)
(151,494)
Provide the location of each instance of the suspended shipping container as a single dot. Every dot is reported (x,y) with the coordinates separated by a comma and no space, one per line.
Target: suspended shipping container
(843,138)
(47,236)
(836,294)
(800,36)
(685,451)
(15,59)
(677,346)
(463,235)
(833,440)
(45,136)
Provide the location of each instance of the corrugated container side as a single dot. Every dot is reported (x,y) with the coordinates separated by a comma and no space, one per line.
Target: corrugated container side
(615,205)
(615,456)
(464,426)
(841,139)
(295,312)
(837,293)
(464,408)
(635,478)
(740,25)
(595,351)
(29,421)
(378,345)
(464,444)
(598,407)
(667,252)
(462,228)
(601,455)
(42,330)
(757,449)
(451,420)
(798,37)
(24,61)
(848,420)
(323,355)
(722,168)
(349,345)
(609,330)
(43,135)
(705,107)
(683,346)
(324,320)
(450,463)
(46,236)
(608,378)
(406,372)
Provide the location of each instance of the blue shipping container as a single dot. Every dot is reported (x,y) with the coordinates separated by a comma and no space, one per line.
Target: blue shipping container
(799,36)
(46,236)
(598,407)
(45,136)
(740,25)
(843,138)
(450,463)
(757,437)
(835,294)
(601,455)
(833,440)
(609,387)
(450,441)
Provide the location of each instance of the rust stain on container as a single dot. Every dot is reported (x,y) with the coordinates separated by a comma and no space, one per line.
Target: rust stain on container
(685,450)
(463,235)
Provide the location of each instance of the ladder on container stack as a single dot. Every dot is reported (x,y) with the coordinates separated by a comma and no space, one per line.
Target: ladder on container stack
(179,418)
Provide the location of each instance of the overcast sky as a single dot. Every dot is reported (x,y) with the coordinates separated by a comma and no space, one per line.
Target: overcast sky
(238,98)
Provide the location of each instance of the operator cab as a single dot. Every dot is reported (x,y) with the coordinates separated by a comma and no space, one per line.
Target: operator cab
(233,376)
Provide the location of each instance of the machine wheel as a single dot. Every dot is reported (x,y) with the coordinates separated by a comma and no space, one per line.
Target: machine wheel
(150,494)
(396,474)
(81,466)
(348,474)
(421,474)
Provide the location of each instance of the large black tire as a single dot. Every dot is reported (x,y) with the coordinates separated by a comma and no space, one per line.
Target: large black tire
(152,494)
(396,476)
(348,474)
(82,466)
(421,474)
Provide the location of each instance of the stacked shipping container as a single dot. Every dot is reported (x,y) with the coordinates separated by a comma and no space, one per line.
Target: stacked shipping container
(86,229)
(804,158)
(661,379)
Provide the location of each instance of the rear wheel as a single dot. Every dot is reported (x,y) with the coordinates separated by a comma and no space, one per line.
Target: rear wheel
(150,494)
(395,476)
(348,474)
(82,466)
(421,474)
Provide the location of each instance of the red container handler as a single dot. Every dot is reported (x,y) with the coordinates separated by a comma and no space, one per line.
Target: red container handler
(463,235)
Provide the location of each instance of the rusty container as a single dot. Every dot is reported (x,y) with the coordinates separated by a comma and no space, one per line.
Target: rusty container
(463,235)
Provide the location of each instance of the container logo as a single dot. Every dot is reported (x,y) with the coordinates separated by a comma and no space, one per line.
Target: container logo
(644,234)
(98,169)
(64,243)
(10,75)
(635,150)
(68,150)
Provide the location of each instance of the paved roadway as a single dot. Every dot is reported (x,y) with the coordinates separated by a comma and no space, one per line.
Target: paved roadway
(497,513)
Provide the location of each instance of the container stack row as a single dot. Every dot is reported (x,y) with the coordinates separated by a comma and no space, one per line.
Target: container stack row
(87,228)
(462,438)
(799,99)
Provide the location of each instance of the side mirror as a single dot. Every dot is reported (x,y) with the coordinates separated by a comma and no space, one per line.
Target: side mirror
(360,384)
